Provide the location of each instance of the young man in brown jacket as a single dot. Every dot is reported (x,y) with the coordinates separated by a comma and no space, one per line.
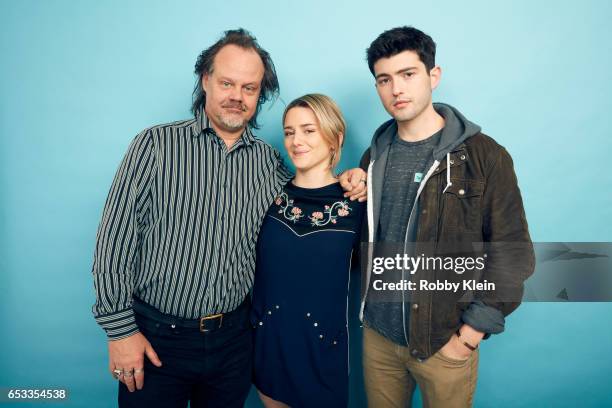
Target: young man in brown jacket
(439,189)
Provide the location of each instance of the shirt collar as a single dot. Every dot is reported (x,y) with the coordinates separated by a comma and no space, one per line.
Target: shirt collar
(204,127)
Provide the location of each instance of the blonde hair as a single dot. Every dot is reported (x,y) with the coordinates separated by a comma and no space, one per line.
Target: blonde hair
(329,116)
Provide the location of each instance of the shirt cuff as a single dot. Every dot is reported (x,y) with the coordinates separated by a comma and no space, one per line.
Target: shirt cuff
(483,318)
(118,325)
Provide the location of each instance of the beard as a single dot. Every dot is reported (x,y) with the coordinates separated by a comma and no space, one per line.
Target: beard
(231,122)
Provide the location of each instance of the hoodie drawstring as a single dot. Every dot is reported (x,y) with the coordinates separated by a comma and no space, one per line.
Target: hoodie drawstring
(448,166)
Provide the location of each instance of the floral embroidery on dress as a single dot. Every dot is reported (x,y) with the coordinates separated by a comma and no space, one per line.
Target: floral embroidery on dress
(318,218)
(283,201)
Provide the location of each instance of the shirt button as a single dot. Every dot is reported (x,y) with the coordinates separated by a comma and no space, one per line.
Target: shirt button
(277,306)
(424,211)
(308,314)
(269,312)
(461,192)
(452,162)
(315,324)
(173,326)
(463,157)
(320,336)
(414,352)
(261,323)
(415,306)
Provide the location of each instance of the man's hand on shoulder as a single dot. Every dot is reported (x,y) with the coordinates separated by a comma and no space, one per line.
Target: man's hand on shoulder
(127,356)
(354,183)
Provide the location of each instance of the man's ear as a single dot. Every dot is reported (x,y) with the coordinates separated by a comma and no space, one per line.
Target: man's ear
(205,81)
(340,139)
(435,75)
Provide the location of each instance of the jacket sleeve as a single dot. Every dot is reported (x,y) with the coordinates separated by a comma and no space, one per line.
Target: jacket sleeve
(118,239)
(510,257)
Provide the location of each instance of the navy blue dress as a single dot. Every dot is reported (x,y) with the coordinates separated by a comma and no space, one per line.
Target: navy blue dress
(300,294)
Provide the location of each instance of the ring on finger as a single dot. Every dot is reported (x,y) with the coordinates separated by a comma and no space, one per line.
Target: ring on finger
(117,372)
(129,373)
(139,371)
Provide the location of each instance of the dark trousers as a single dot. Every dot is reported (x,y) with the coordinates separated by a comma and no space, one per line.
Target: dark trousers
(211,369)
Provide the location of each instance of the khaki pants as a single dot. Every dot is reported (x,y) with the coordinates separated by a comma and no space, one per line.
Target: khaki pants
(391,373)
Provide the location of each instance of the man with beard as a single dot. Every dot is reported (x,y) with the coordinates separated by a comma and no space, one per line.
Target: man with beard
(175,251)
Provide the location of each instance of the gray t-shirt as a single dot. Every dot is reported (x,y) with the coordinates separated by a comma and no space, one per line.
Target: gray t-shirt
(406,167)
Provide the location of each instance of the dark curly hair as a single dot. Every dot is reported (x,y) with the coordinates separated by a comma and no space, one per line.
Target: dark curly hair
(244,39)
(401,39)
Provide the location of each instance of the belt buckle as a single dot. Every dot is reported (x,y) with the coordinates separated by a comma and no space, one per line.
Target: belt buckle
(202,321)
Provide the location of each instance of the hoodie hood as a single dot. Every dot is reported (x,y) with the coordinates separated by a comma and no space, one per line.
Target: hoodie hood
(456,129)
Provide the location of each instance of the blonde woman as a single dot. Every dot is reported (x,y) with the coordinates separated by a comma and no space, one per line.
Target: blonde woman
(303,262)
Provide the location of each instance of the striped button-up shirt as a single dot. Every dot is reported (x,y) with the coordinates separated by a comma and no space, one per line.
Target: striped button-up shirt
(180,223)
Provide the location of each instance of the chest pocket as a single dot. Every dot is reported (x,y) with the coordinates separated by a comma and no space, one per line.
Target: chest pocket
(462,203)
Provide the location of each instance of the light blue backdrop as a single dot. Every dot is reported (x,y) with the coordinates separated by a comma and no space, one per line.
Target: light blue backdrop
(80,79)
